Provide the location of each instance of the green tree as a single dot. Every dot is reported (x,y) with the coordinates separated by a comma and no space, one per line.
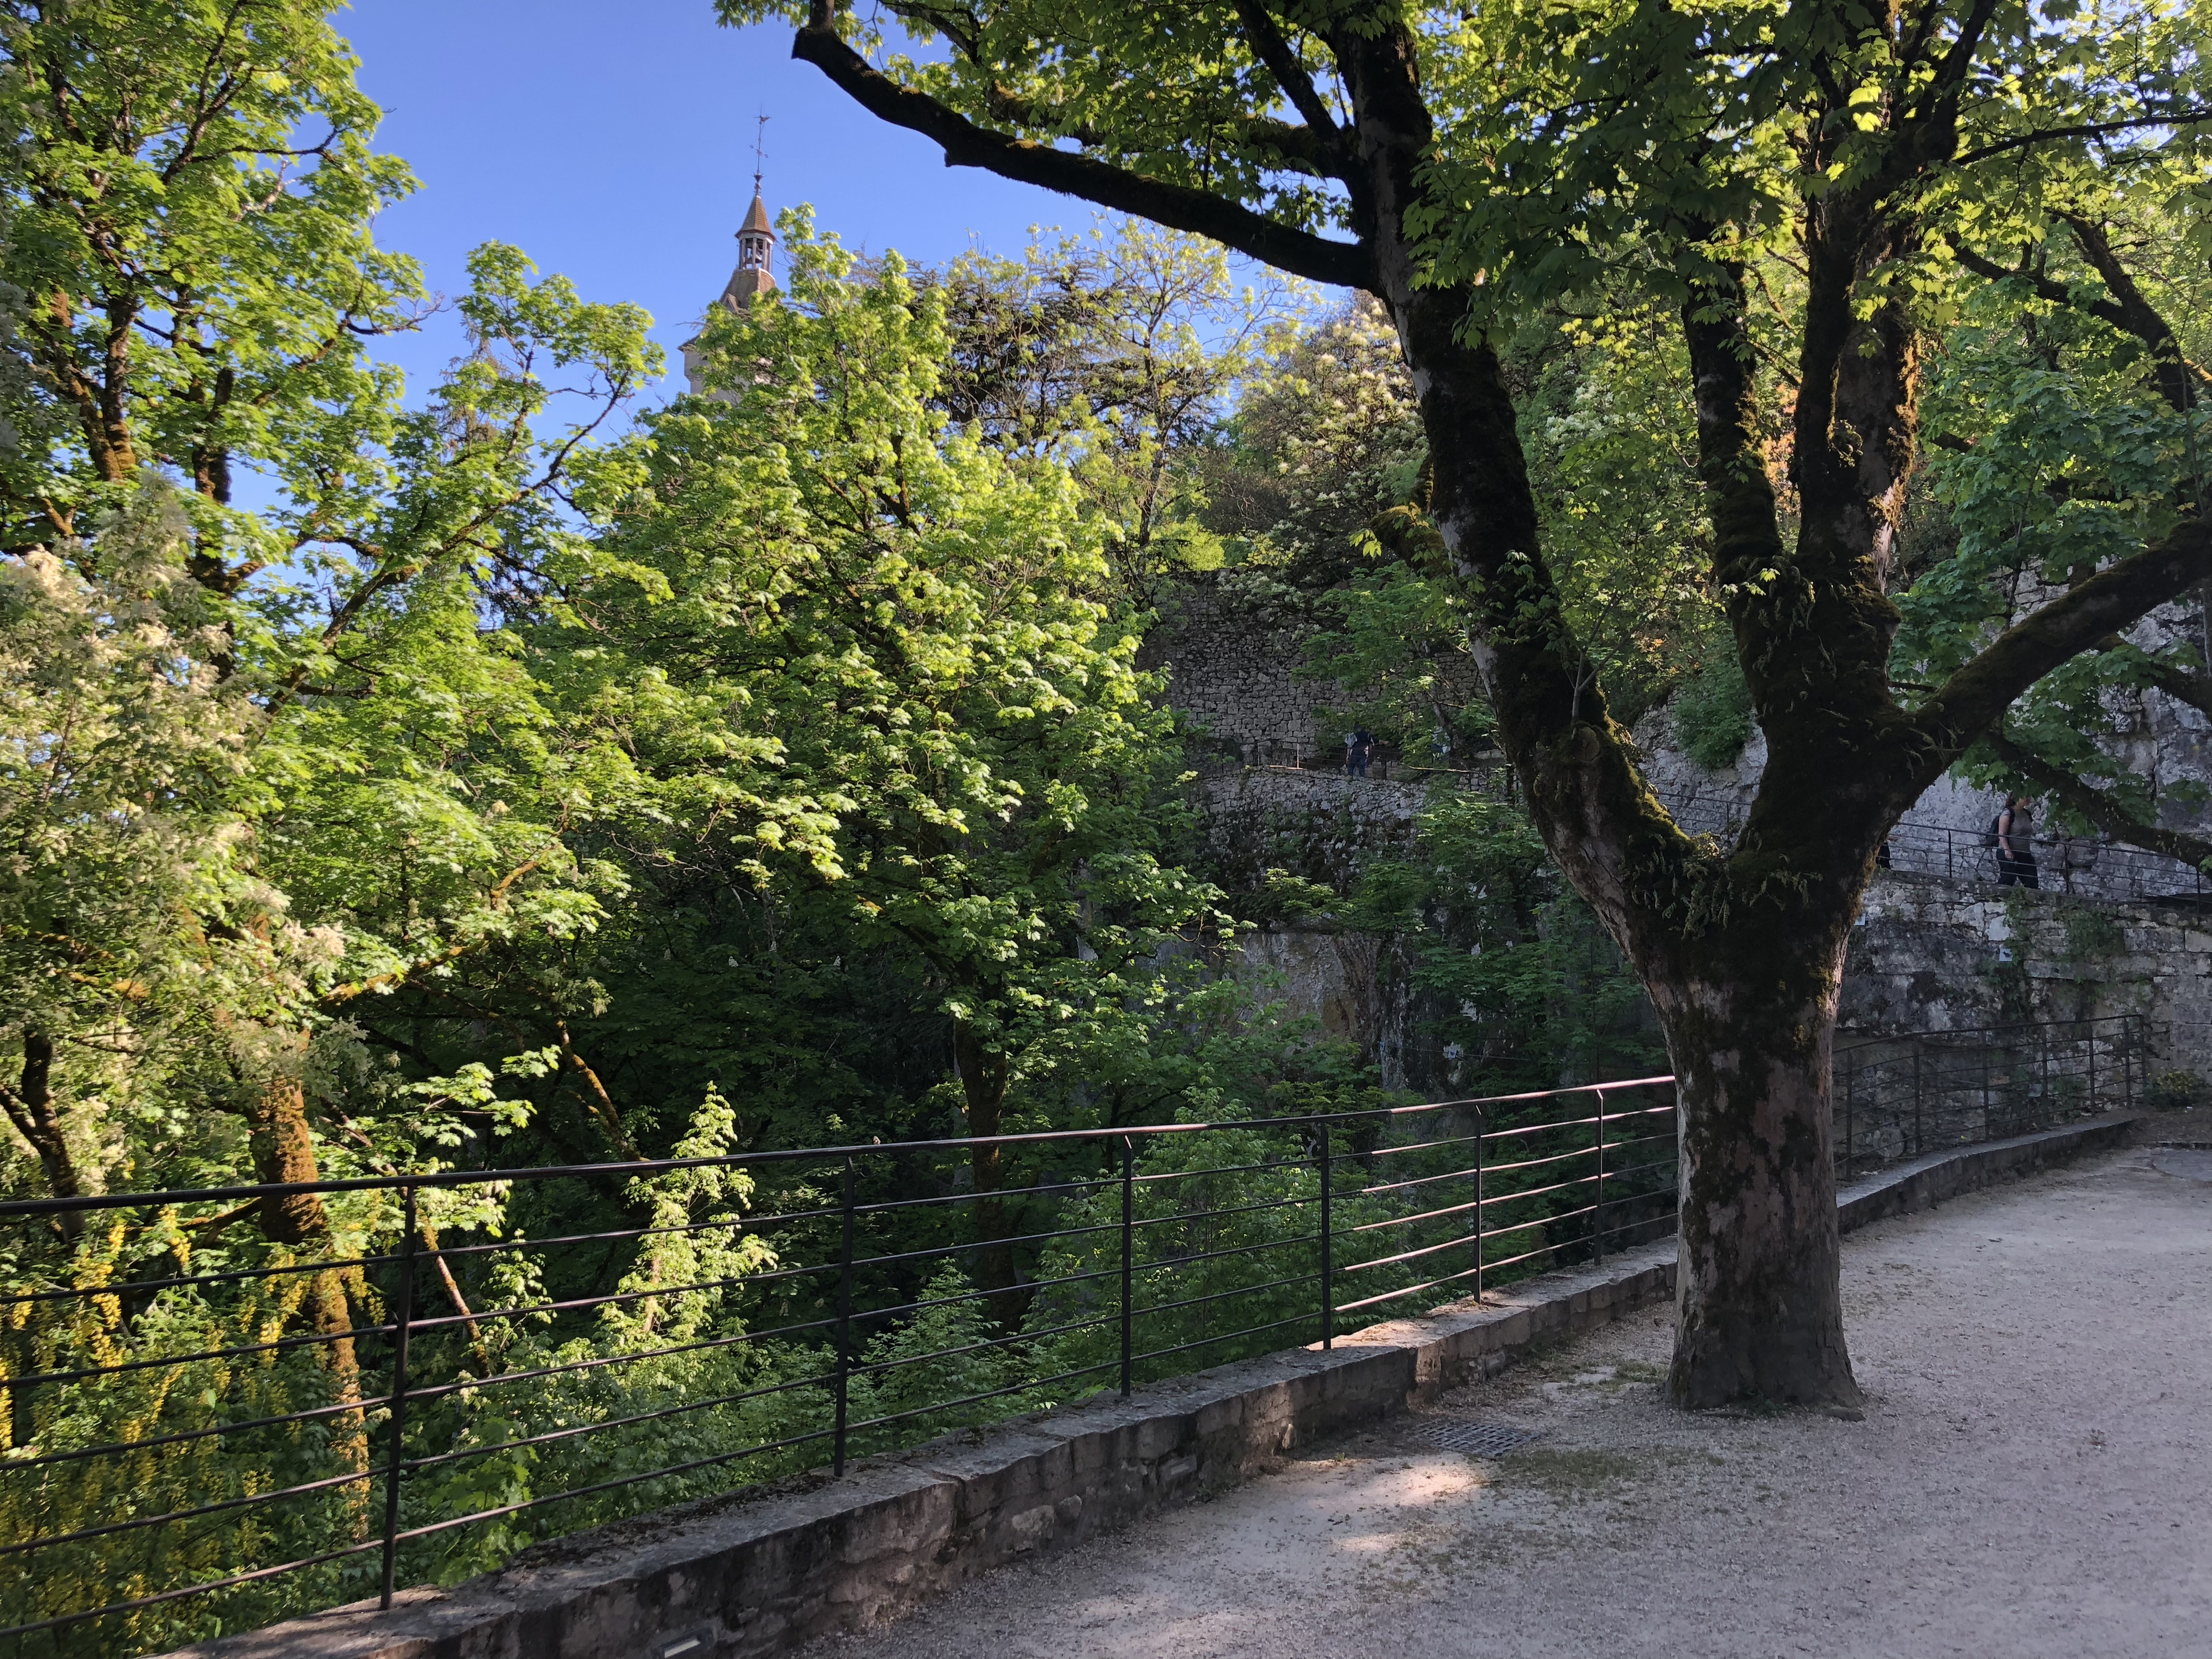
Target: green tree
(869,654)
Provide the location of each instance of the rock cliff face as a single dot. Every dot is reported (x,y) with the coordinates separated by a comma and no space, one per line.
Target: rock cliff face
(1931,955)
(1939,946)
(1232,651)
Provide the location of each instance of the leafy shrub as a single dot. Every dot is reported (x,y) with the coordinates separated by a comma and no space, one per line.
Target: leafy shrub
(1712,712)
(2176,1090)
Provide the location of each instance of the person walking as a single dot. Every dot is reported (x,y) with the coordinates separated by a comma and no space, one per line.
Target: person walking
(2014,827)
(1361,747)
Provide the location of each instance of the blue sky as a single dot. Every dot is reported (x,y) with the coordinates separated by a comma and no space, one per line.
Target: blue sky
(611,140)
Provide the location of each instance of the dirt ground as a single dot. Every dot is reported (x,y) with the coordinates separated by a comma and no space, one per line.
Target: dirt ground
(2032,1477)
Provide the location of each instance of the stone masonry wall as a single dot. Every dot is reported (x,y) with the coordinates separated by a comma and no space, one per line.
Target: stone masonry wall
(1232,667)
(1929,955)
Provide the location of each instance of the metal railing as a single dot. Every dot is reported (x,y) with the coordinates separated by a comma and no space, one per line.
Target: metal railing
(1902,1095)
(206,1432)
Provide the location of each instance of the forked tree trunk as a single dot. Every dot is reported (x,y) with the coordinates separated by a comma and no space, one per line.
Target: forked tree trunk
(33,1110)
(1759,1311)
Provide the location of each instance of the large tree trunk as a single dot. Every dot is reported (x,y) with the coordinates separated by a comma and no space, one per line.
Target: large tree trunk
(1759,1312)
(1739,948)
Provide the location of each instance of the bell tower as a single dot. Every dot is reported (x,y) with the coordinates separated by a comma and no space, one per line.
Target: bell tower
(755,274)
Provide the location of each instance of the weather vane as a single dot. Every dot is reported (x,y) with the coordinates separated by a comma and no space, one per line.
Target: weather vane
(760,153)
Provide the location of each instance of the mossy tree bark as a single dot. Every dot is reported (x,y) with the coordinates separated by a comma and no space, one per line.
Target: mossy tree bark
(1740,949)
(284,1154)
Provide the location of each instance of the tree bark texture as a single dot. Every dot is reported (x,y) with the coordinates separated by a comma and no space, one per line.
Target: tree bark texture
(1759,1312)
(284,1153)
(30,1106)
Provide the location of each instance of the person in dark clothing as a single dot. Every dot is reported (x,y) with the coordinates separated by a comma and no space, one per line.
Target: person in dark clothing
(2015,853)
(1355,759)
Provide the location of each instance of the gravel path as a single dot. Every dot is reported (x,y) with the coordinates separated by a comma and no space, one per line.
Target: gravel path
(2031,1478)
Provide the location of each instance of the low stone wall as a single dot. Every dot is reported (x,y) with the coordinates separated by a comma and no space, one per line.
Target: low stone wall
(754,1575)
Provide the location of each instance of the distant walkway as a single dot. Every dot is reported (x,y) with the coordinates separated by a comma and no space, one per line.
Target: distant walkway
(2029,1480)
(2084,866)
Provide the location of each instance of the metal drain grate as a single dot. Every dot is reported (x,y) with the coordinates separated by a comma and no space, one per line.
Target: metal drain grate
(1480,1439)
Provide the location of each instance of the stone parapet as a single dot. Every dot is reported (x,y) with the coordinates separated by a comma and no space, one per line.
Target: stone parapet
(755,1574)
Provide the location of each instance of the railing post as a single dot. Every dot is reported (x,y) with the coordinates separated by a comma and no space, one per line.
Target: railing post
(1128,1239)
(1919,1139)
(1850,1110)
(2092,1064)
(1985,1094)
(1597,1211)
(396,1456)
(2043,1064)
(1478,1208)
(1328,1298)
(844,1323)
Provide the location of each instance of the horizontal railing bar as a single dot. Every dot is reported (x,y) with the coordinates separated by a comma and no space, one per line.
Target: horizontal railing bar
(1217,1255)
(113,1608)
(175,1517)
(721,1457)
(1421,1215)
(1415,1290)
(1225,1336)
(78,1453)
(437,1391)
(860,1262)
(1459,1242)
(130,1286)
(975,1398)
(412,1533)
(618,1234)
(1418,1146)
(464,1453)
(885,1206)
(639,1169)
(201,1358)
(1159,1175)
(885,1367)
(1208,1214)
(1136,1312)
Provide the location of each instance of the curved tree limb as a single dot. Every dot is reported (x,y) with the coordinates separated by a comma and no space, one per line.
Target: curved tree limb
(2098,807)
(1344,265)
(1971,701)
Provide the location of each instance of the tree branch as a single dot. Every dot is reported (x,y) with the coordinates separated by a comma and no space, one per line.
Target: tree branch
(1271,48)
(2189,118)
(2095,805)
(2134,314)
(1974,698)
(1345,265)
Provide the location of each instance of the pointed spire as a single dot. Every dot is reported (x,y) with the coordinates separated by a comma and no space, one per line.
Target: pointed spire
(755,236)
(754,275)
